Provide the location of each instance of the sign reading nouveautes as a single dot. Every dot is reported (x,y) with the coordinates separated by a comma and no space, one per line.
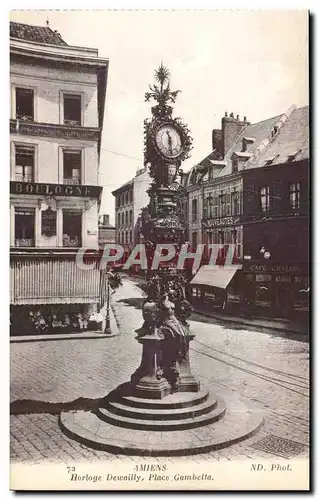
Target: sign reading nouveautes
(35,188)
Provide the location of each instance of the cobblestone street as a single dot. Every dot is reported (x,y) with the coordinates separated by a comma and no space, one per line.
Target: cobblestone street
(48,376)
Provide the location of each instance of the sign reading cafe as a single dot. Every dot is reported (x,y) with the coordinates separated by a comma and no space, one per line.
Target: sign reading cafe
(54,189)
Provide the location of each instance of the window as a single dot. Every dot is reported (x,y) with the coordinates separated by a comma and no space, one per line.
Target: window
(194,239)
(294,195)
(24,163)
(131,216)
(24,104)
(235,240)
(221,237)
(126,198)
(126,217)
(235,164)
(72,109)
(235,202)
(222,205)
(194,210)
(208,206)
(126,237)
(72,162)
(118,219)
(265,199)
(24,227)
(72,228)
(122,218)
(131,237)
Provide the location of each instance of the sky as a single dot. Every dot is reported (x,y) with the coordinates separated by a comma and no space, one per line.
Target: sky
(251,63)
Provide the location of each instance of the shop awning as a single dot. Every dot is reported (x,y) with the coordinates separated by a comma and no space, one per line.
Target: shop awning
(218,276)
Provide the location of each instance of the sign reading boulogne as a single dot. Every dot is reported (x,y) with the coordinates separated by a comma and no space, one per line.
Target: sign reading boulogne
(54,189)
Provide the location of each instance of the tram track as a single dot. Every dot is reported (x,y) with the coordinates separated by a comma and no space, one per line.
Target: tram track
(290,385)
(274,370)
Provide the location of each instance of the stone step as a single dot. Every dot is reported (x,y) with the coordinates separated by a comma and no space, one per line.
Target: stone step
(164,413)
(241,420)
(162,425)
(176,400)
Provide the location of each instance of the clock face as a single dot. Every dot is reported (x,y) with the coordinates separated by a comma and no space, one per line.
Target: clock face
(168,140)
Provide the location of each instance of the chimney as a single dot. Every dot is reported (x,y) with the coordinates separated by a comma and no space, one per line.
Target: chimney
(231,128)
(217,140)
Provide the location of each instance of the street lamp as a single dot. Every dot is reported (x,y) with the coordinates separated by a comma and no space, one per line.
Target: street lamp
(265,253)
(107,328)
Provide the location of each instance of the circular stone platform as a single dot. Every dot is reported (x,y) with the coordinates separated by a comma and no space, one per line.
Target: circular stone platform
(183,423)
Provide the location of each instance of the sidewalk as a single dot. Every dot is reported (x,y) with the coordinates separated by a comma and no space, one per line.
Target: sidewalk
(278,324)
(273,324)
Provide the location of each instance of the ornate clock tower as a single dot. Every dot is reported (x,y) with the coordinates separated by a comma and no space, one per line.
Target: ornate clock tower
(165,334)
(163,410)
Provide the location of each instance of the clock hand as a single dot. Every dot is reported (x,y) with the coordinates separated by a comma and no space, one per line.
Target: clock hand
(169,141)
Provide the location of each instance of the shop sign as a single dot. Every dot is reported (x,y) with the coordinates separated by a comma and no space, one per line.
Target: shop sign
(48,222)
(263,277)
(275,268)
(283,279)
(224,221)
(34,188)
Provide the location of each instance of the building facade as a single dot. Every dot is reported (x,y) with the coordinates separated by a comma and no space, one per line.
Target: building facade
(245,195)
(57,107)
(276,222)
(130,198)
(106,231)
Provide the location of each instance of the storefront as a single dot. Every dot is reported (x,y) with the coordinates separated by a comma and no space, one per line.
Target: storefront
(50,293)
(216,287)
(276,289)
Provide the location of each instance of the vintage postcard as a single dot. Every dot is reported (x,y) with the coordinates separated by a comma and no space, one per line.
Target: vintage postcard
(159,250)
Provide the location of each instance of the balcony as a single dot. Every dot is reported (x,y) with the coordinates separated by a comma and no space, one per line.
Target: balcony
(24,242)
(65,131)
(71,241)
(25,118)
(23,178)
(76,123)
(72,181)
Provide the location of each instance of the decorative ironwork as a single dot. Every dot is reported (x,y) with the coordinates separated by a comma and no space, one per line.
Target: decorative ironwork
(165,309)
(53,130)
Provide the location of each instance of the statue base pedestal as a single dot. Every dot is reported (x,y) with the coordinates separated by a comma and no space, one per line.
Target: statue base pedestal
(161,372)
(163,411)
(183,423)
